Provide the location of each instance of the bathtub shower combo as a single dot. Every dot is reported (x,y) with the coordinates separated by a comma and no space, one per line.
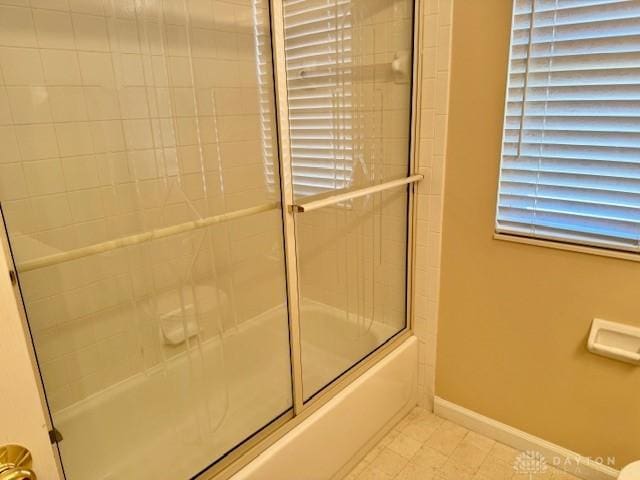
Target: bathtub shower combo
(208,204)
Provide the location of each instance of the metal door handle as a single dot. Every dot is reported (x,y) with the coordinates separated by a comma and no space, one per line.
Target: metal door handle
(15,463)
(18,474)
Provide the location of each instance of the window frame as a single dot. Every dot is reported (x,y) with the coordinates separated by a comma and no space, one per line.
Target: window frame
(540,240)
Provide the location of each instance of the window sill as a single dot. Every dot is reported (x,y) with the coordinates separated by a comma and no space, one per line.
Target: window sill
(569,247)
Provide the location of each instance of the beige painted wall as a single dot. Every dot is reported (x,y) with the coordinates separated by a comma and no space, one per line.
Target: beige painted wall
(514,318)
(22,419)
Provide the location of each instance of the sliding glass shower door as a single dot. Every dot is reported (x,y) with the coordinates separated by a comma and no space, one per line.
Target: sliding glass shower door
(176,306)
(140,190)
(349,75)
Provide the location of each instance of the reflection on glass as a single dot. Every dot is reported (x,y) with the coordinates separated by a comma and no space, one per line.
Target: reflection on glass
(352,261)
(349,90)
(160,351)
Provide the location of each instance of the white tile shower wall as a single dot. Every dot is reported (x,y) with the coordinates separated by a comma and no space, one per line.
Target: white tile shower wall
(435,64)
(117,117)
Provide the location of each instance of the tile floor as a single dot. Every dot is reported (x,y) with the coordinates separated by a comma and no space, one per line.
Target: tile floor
(426,447)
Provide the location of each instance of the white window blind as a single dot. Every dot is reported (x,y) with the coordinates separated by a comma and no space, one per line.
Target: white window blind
(571,147)
(264,75)
(318,35)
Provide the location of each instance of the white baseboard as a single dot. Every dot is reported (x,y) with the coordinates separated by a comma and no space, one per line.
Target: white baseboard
(575,464)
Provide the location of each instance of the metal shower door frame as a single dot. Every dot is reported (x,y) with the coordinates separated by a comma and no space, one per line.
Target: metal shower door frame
(291,209)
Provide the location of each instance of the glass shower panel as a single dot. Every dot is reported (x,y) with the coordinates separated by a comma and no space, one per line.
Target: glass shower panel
(349,72)
(139,186)
(352,259)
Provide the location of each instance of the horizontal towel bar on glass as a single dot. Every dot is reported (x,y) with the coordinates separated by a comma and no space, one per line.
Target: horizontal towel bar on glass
(138,238)
(342,197)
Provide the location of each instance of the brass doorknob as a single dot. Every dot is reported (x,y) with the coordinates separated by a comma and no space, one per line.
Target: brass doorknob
(15,463)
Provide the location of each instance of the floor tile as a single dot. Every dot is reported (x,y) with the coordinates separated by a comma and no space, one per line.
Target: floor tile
(404,445)
(373,474)
(389,462)
(423,446)
(417,472)
(427,457)
(446,437)
(469,455)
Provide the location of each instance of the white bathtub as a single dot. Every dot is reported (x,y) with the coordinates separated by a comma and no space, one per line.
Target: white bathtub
(185,413)
(326,445)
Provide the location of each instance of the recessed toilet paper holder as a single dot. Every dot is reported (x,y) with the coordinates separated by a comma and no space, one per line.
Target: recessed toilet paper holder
(615,340)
